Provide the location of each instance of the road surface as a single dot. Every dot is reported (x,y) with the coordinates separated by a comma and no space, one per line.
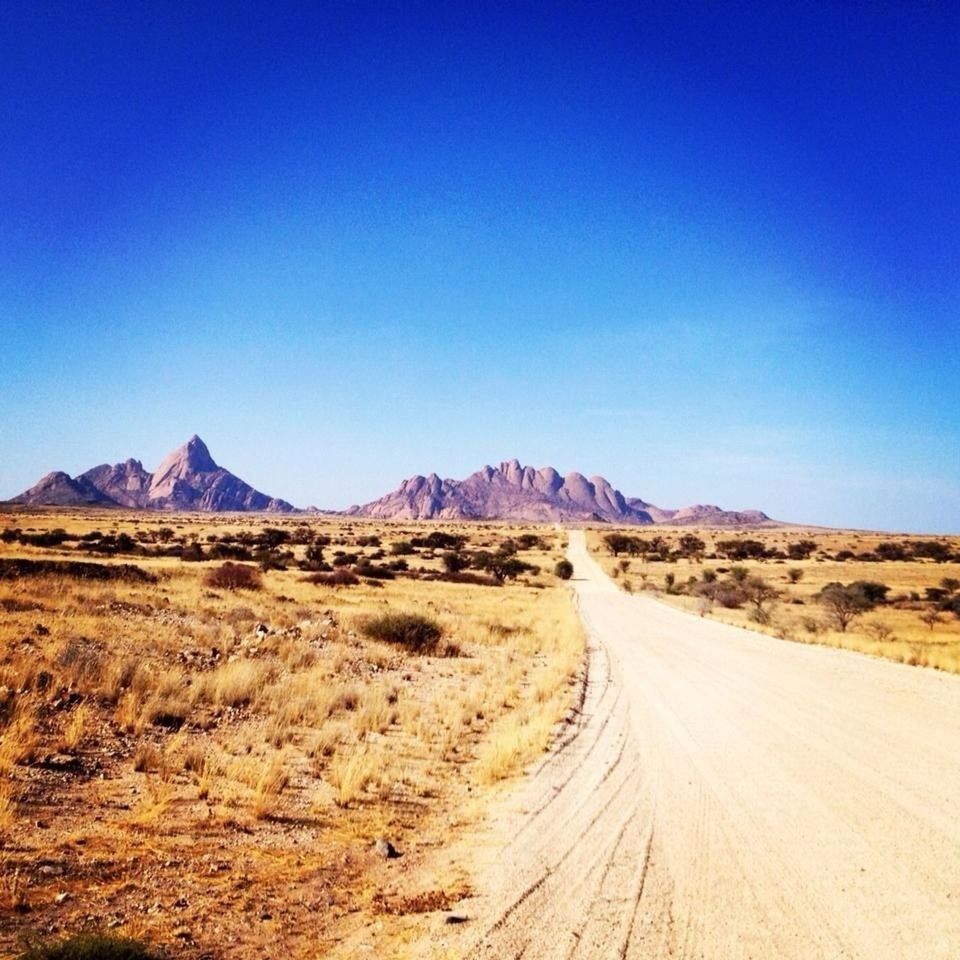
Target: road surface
(726,795)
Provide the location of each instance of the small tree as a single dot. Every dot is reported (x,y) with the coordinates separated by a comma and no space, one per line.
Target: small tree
(761,596)
(801,550)
(691,547)
(454,562)
(794,574)
(930,617)
(844,604)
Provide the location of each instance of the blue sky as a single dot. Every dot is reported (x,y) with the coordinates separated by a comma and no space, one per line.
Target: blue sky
(708,251)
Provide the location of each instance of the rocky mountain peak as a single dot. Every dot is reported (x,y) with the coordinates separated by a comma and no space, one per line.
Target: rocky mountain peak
(187,479)
(512,491)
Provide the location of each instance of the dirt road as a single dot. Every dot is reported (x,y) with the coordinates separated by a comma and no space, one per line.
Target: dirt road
(727,795)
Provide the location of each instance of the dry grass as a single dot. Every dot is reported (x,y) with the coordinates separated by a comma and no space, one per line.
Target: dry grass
(8,809)
(351,773)
(235,684)
(271,783)
(228,751)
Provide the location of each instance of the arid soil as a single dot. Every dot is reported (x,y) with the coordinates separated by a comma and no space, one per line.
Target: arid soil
(726,795)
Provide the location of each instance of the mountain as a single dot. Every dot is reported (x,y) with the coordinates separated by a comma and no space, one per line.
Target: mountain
(702,514)
(58,489)
(187,479)
(514,492)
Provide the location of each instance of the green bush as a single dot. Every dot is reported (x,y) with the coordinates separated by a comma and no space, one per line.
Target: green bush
(91,947)
(416,633)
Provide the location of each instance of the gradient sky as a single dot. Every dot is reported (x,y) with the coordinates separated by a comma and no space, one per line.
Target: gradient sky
(710,251)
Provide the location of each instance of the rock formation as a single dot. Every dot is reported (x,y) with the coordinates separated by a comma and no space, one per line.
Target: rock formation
(515,492)
(187,479)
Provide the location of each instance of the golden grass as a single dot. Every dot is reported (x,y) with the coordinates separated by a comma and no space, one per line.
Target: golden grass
(269,749)
(76,728)
(235,684)
(8,808)
(21,741)
(351,773)
(270,785)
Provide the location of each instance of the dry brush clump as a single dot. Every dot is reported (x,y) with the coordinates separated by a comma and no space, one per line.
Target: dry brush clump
(411,631)
(234,576)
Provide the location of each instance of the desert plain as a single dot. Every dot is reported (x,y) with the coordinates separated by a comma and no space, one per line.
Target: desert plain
(241,735)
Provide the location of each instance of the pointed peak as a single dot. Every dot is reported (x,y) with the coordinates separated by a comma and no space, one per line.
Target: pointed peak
(196,456)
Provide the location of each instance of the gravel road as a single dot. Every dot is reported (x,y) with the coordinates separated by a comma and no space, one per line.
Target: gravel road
(726,795)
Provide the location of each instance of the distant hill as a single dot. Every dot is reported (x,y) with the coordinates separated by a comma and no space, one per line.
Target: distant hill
(187,479)
(515,492)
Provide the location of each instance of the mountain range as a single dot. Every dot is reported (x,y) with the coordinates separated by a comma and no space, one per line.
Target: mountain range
(515,492)
(190,479)
(187,479)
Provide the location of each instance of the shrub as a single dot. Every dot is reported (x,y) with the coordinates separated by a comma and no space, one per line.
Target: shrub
(530,541)
(416,633)
(691,546)
(455,562)
(564,569)
(234,576)
(801,550)
(91,947)
(761,596)
(341,577)
(873,591)
(192,553)
(501,566)
(952,606)
(374,572)
(438,540)
(741,549)
(13,568)
(461,576)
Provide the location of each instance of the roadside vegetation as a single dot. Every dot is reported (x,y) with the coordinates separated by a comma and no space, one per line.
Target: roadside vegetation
(890,596)
(209,725)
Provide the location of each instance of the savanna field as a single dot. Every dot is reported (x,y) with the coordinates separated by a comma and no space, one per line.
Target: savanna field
(888,595)
(240,735)
(249,736)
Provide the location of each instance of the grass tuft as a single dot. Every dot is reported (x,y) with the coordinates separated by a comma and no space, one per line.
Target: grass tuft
(91,947)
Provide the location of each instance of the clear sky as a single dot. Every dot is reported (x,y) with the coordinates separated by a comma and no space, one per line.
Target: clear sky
(710,251)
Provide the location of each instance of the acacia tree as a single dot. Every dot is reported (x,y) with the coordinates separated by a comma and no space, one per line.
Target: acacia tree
(844,604)
(761,596)
(691,547)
